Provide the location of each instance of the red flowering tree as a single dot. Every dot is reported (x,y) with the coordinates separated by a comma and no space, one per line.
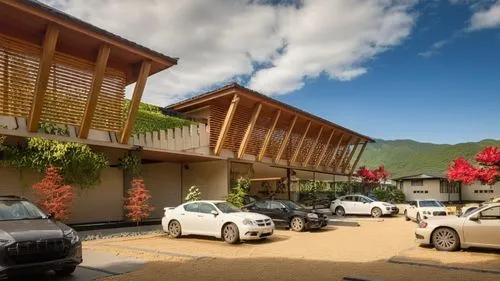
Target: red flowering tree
(487,173)
(54,196)
(137,203)
(372,178)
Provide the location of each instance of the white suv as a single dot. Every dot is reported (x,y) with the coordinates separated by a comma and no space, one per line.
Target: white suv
(362,205)
(423,209)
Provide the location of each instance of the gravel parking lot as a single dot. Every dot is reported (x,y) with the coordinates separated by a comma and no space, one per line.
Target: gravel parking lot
(377,250)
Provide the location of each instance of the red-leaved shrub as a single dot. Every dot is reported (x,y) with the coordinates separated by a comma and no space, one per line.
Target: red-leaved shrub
(137,203)
(54,196)
(488,173)
(372,178)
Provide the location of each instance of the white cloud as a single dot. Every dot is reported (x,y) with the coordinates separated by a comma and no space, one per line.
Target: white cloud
(221,40)
(486,18)
(434,49)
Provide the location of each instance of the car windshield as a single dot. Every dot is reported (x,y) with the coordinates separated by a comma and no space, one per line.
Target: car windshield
(227,207)
(19,210)
(469,211)
(430,203)
(292,205)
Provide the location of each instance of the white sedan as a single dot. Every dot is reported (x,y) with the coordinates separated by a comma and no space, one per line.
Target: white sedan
(362,205)
(423,209)
(479,228)
(219,219)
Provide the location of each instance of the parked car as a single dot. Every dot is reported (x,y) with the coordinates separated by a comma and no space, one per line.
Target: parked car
(286,213)
(219,219)
(31,240)
(362,205)
(470,207)
(480,228)
(424,209)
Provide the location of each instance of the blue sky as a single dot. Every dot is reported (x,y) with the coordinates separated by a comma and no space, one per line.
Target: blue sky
(426,70)
(452,96)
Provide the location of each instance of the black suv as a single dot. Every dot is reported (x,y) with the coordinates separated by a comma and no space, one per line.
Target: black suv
(286,213)
(31,240)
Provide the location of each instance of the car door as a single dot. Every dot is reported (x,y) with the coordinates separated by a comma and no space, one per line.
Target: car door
(189,218)
(348,204)
(484,231)
(278,212)
(364,205)
(411,211)
(207,223)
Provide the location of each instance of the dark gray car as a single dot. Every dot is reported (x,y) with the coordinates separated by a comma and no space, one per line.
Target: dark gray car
(31,240)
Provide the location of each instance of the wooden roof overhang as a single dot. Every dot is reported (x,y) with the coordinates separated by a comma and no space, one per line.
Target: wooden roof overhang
(56,68)
(249,123)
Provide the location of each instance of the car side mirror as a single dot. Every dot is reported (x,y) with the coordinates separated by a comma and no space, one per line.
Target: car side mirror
(214,212)
(50,216)
(284,210)
(474,217)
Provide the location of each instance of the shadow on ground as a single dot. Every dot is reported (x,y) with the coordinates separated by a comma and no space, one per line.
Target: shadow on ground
(297,269)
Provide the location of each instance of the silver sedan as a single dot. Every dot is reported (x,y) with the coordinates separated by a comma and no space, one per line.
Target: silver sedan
(479,228)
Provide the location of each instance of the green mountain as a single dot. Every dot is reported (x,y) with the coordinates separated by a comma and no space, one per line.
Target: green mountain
(408,157)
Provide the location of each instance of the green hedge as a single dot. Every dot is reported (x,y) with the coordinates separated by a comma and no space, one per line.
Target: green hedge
(149,119)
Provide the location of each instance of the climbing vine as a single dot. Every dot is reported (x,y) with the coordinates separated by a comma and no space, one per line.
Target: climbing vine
(132,164)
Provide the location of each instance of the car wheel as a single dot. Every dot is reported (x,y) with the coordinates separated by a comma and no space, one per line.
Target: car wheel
(230,233)
(445,239)
(406,216)
(376,212)
(418,218)
(297,224)
(65,271)
(174,229)
(340,211)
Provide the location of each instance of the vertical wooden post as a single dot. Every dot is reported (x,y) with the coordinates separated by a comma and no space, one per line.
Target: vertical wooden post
(269,134)
(48,51)
(248,132)
(296,152)
(322,155)
(5,91)
(313,147)
(285,141)
(140,84)
(227,123)
(337,146)
(358,158)
(95,89)
(349,158)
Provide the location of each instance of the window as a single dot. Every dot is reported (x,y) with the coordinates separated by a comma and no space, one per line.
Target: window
(206,208)
(491,213)
(261,204)
(443,186)
(412,203)
(348,198)
(365,200)
(192,207)
(417,182)
(276,205)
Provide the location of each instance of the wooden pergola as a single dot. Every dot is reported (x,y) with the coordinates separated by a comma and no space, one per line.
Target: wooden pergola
(258,128)
(57,69)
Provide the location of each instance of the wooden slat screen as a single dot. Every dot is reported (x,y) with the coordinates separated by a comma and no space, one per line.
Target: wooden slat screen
(67,89)
(18,71)
(264,122)
(278,136)
(238,127)
(218,112)
(308,143)
(293,142)
(319,147)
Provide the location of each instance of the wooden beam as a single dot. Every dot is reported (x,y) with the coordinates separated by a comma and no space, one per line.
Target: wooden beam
(227,123)
(344,152)
(337,146)
(269,134)
(136,100)
(322,155)
(248,132)
(95,89)
(349,158)
(285,141)
(313,147)
(296,152)
(48,51)
(357,158)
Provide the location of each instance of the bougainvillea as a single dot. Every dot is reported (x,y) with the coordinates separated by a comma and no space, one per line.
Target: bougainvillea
(372,178)
(487,173)
(137,203)
(54,196)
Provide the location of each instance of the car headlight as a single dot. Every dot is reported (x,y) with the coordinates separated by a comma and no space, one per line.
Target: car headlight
(427,213)
(72,236)
(422,224)
(249,222)
(4,242)
(387,204)
(388,208)
(312,216)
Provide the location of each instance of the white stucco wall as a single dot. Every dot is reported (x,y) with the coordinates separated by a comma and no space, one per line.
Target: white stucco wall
(431,186)
(163,180)
(211,177)
(479,192)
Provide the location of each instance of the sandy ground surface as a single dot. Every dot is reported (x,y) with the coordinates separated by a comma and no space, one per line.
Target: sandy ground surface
(330,254)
